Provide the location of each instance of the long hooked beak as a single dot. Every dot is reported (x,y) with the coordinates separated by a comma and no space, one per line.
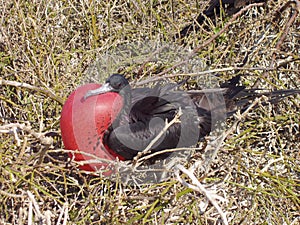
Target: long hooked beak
(101,90)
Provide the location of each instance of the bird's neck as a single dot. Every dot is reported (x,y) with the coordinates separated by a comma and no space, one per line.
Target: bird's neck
(123,116)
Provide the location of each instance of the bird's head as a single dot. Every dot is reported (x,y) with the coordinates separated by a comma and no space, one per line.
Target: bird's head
(115,83)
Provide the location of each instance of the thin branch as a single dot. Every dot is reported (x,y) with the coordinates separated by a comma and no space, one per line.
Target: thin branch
(217,143)
(282,38)
(36,207)
(10,195)
(200,188)
(224,69)
(166,151)
(199,48)
(150,145)
(12,127)
(45,92)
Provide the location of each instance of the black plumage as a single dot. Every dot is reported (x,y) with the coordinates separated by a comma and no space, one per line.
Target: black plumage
(145,111)
(213,10)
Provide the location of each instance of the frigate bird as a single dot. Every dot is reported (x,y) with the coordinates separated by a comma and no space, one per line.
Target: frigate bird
(142,114)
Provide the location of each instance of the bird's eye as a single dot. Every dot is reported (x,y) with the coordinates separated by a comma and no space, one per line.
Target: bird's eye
(118,85)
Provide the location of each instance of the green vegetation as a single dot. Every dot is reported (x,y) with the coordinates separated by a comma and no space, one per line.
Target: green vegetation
(48,48)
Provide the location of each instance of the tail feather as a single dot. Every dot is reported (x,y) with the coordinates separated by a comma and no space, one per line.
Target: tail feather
(243,99)
(231,97)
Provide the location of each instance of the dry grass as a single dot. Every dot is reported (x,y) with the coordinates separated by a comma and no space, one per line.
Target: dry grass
(46,49)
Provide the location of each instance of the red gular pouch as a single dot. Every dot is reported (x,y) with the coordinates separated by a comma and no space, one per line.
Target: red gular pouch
(83,123)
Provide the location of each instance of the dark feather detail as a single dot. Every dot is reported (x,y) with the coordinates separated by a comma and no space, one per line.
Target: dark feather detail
(146,111)
(213,10)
